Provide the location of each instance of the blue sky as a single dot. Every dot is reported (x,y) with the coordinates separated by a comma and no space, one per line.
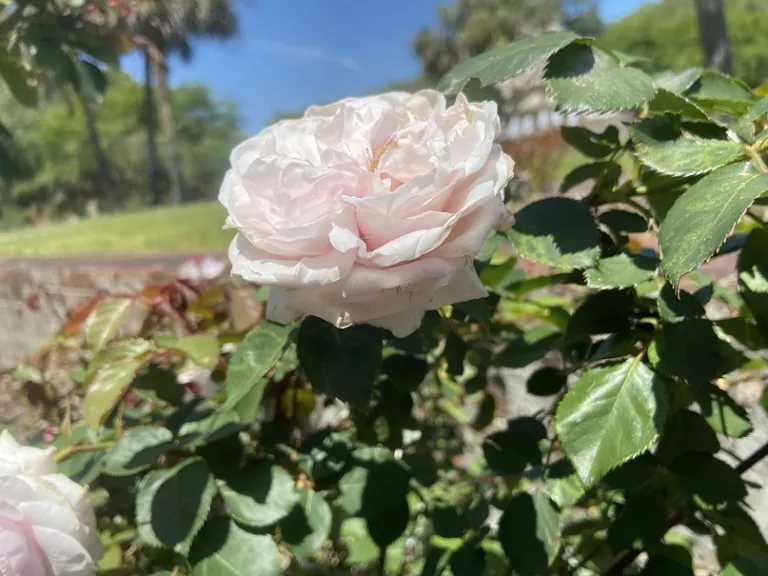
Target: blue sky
(293,53)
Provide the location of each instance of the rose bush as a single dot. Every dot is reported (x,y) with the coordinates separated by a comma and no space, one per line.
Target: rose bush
(47,523)
(370,209)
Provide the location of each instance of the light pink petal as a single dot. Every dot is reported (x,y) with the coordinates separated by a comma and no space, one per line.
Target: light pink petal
(66,555)
(260,267)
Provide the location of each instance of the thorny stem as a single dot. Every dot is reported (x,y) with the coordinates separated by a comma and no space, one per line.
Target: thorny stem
(755,156)
(625,561)
(72,450)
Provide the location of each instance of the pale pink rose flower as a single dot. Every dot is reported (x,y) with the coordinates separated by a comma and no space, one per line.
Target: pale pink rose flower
(369,210)
(47,523)
(198,383)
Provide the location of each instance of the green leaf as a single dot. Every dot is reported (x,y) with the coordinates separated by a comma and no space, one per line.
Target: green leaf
(510,451)
(224,549)
(559,232)
(623,222)
(502,63)
(172,504)
(689,349)
(219,425)
(17,79)
(670,561)
(666,101)
(376,489)
(360,548)
(678,82)
(679,307)
(257,354)
(711,480)
(621,271)
(641,523)
(137,450)
(340,363)
(308,525)
(753,276)
(159,385)
(690,157)
(89,80)
(533,345)
(529,533)
(746,125)
(686,432)
(585,78)
(701,219)
(105,320)
(610,415)
(601,313)
(202,348)
(590,143)
(260,495)
(723,414)
(606,174)
(721,93)
(132,348)
(741,547)
(106,387)
(405,372)
(546,382)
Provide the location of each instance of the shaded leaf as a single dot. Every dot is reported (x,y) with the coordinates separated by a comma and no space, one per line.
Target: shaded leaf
(689,349)
(686,432)
(260,495)
(546,382)
(604,312)
(642,523)
(623,222)
(711,480)
(678,307)
(701,219)
(605,174)
(224,549)
(753,276)
(666,101)
(559,232)
(138,449)
(610,415)
(172,504)
(308,525)
(509,452)
(529,533)
(722,413)
(591,143)
(340,363)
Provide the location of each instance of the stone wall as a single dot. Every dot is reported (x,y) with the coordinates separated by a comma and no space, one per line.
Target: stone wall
(35,295)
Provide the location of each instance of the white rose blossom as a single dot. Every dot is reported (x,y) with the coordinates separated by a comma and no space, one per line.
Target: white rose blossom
(369,210)
(47,523)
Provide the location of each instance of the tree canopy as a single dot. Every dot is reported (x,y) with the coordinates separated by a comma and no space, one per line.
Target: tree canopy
(55,173)
(666,34)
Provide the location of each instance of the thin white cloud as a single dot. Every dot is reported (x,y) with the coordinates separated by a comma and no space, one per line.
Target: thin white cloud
(307,53)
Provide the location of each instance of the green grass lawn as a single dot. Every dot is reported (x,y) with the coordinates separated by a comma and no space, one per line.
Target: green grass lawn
(192,227)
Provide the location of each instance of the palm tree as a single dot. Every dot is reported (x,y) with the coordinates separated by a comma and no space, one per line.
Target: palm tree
(160,27)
